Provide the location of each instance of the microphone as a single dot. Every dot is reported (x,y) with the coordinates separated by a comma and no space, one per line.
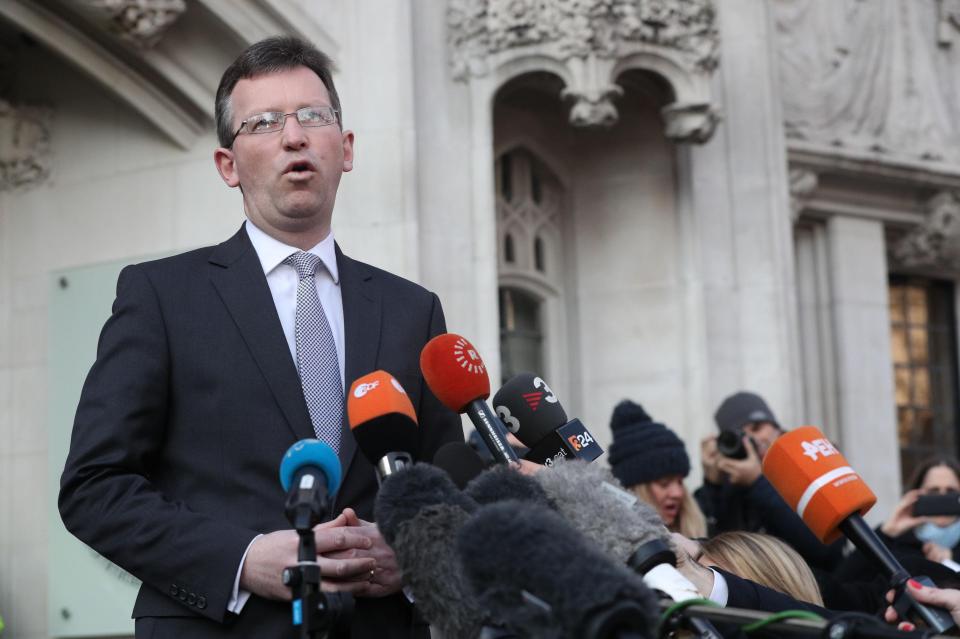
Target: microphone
(310,473)
(548,581)
(503,483)
(456,375)
(383,422)
(460,461)
(419,512)
(591,500)
(815,480)
(530,410)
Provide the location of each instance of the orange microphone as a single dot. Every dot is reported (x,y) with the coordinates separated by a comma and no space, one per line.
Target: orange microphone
(455,373)
(383,422)
(817,482)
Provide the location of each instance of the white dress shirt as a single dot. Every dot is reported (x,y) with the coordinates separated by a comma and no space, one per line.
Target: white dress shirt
(283,282)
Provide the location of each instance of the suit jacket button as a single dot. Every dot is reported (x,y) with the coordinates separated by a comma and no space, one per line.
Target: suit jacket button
(201,602)
(173,590)
(181,594)
(191,598)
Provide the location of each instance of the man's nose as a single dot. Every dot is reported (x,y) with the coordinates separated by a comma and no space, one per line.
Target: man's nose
(294,135)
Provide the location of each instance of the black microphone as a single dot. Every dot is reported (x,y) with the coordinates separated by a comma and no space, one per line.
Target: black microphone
(531,411)
(419,512)
(383,422)
(627,528)
(460,461)
(547,580)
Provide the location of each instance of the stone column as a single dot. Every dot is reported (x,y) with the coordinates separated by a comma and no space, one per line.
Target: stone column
(864,389)
(740,210)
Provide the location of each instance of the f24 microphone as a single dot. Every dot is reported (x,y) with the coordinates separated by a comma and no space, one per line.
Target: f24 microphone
(455,373)
(815,480)
(310,473)
(383,422)
(531,411)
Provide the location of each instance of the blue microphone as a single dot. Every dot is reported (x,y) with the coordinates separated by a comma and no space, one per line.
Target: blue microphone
(310,473)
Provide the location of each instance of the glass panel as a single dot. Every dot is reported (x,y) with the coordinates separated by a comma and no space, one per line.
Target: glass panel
(904,424)
(536,186)
(899,345)
(521,339)
(506,177)
(918,345)
(896,300)
(902,385)
(916,305)
(923,346)
(538,259)
(508,254)
(921,387)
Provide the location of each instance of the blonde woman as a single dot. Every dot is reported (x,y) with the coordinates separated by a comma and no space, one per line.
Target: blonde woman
(763,559)
(649,459)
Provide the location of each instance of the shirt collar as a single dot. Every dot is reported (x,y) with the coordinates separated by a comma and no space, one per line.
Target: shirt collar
(272,252)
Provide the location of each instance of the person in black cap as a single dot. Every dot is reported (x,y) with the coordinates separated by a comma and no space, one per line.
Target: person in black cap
(650,460)
(736,496)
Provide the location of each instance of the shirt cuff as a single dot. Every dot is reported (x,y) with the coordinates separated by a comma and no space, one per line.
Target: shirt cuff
(238,597)
(720,593)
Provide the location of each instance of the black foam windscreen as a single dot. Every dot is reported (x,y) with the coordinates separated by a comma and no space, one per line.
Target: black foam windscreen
(528,408)
(546,580)
(404,494)
(460,461)
(501,483)
(388,433)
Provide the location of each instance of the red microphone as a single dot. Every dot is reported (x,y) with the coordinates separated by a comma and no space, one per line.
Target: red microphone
(383,422)
(456,375)
(817,482)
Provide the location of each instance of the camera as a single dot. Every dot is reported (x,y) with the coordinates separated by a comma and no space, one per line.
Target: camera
(730,444)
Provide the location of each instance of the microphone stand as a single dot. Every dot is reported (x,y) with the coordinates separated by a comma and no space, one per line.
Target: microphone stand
(314,611)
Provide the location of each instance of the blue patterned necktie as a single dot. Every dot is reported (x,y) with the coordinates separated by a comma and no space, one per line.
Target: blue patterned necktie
(317,360)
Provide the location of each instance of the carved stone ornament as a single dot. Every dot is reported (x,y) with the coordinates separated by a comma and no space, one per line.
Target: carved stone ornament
(589,37)
(936,242)
(25,155)
(871,77)
(803,183)
(948,22)
(140,22)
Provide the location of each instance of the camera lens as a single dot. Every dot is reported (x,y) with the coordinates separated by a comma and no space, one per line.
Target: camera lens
(730,444)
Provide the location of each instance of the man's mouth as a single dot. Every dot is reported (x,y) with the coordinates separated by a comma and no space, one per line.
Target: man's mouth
(299,167)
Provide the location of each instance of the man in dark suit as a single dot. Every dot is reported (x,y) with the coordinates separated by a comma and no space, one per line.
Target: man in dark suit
(206,373)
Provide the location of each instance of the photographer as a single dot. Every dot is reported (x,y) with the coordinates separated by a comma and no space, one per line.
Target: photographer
(736,496)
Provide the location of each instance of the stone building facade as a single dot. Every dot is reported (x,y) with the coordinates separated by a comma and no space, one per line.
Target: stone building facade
(666,200)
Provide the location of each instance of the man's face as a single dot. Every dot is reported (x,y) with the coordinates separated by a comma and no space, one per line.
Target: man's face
(289,178)
(764,433)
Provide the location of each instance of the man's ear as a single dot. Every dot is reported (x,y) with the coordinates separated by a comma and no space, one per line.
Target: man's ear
(226,163)
(347,151)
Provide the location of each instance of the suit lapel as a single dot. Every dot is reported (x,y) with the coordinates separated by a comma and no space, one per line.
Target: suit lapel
(238,277)
(361,327)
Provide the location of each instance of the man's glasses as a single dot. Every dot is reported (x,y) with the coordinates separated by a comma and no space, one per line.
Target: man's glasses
(275,120)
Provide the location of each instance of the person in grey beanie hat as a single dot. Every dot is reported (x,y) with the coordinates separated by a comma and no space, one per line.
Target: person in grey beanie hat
(650,460)
(736,496)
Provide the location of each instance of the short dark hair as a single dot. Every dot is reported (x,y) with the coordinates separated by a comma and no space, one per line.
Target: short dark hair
(278,53)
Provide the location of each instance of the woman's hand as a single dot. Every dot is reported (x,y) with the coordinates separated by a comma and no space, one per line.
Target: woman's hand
(902,519)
